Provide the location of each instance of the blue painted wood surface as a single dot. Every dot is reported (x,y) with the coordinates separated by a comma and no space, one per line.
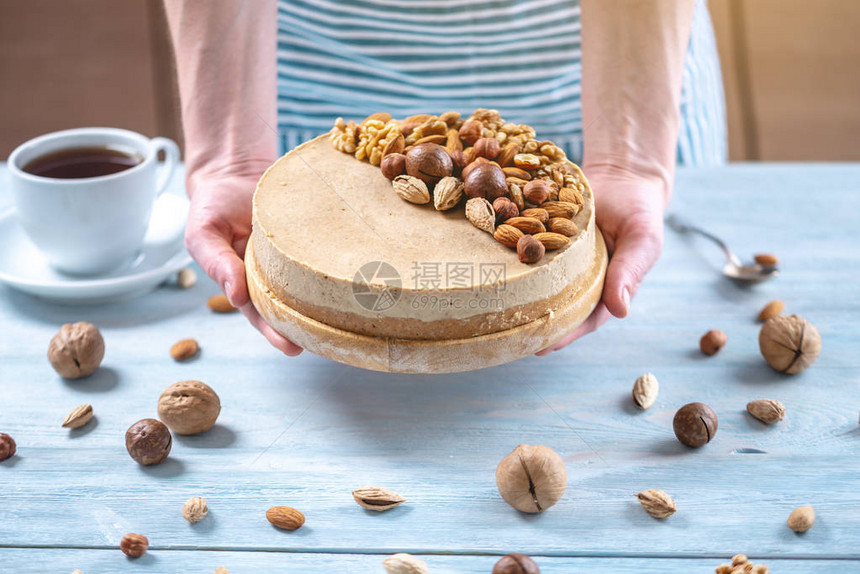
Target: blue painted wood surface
(305,432)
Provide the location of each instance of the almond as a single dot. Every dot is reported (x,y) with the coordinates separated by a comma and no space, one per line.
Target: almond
(285,517)
(411,189)
(517,172)
(78,417)
(480,213)
(772,309)
(220,304)
(570,195)
(450,118)
(552,240)
(184,349)
(383,117)
(563,226)
(453,142)
(560,209)
(538,213)
(516,193)
(506,156)
(516,181)
(377,498)
(417,119)
(768,411)
(529,225)
(767,260)
(507,235)
(396,145)
(434,139)
(447,193)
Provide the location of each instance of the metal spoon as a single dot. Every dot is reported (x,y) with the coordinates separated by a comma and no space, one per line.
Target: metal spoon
(740,273)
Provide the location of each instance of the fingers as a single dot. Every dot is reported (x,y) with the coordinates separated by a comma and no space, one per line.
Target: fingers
(636,250)
(599,316)
(276,339)
(212,249)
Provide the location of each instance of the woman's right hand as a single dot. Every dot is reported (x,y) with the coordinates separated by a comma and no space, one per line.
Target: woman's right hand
(219,225)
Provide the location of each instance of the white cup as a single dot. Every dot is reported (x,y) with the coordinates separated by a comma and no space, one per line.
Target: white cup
(90,225)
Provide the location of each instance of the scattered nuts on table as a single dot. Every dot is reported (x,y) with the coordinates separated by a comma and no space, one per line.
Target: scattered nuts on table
(772,309)
(645,391)
(789,344)
(516,564)
(77,350)
(184,349)
(404,564)
(377,498)
(7,446)
(195,509)
(148,441)
(766,259)
(78,417)
(741,565)
(189,407)
(766,410)
(801,519)
(186,278)
(134,545)
(285,517)
(220,304)
(712,341)
(532,478)
(695,424)
(656,503)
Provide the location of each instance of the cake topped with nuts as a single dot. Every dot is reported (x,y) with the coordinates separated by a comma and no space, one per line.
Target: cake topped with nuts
(393,233)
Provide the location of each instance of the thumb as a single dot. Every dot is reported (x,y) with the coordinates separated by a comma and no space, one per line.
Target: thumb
(636,251)
(216,256)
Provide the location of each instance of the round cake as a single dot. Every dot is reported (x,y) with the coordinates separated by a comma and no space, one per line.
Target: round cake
(342,263)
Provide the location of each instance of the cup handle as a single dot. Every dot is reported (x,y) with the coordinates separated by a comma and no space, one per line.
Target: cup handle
(171,159)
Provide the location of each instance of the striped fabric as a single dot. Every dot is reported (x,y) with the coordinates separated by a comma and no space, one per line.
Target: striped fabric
(522,57)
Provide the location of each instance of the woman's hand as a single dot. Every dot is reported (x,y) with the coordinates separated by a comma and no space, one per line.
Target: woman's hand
(219,226)
(630,215)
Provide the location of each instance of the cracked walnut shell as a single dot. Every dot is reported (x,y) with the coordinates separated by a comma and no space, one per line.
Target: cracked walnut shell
(789,344)
(77,350)
(195,509)
(189,407)
(532,478)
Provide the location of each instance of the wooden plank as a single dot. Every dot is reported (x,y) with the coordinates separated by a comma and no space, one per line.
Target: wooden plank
(306,432)
(23,561)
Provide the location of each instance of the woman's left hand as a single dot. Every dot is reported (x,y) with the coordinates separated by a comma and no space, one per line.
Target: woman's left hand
(630,215)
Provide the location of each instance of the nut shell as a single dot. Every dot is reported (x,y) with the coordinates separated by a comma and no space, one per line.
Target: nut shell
(656,503)
(532,478)
(485,180)
(789,344)
(7,446)
(195,509)
(768,411)
(516,564)
(77,350)
(148,441)
(695,424)
(189,407)
(78,416)
(134,545)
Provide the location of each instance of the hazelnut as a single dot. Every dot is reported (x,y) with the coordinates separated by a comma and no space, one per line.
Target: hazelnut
(801,519)
(516,564)
(529,249)
(505,209)
(429,162)
(532,478)
(712,341)
(189,407)
(77,350)
(486,180)
(487,147)
(471,131)
(789,343)
(7,446)
(695,424)
(537,191)
(148,441)
(459,159)
(393,164)
(134,545)
(195,509)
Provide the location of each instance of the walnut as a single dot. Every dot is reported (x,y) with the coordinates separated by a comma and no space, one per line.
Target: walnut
(532,478)
(189,407)
(77,350)
(374,136)
(343,136)
(789,344)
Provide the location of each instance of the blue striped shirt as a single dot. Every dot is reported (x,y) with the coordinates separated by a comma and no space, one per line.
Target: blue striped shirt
(521,57)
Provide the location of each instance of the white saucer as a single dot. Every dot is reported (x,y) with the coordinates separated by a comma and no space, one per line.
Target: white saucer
(24,268)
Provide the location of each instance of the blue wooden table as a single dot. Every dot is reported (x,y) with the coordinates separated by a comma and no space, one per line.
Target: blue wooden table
(305,432)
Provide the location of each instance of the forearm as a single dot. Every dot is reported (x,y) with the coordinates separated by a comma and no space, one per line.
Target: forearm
(632,66)
(226,65)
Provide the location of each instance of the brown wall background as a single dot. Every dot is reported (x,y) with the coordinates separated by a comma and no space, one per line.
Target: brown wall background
(791,70)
